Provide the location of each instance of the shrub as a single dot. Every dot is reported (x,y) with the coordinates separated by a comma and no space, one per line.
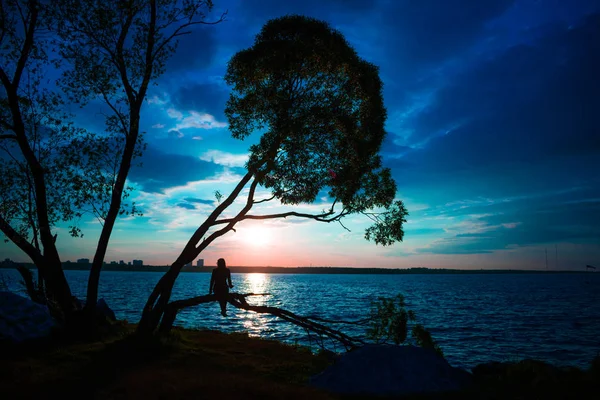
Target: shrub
(389,321)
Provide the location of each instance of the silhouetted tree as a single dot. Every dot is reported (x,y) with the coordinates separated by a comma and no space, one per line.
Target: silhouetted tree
(116,49)
(322,112)
(41,157)
(50,170)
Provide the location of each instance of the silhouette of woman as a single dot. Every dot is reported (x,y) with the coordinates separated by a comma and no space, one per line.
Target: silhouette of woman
(220,282)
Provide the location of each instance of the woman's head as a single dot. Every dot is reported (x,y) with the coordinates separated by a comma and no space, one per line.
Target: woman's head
(221,263)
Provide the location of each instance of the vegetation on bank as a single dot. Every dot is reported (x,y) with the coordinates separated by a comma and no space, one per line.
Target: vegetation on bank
(211,364)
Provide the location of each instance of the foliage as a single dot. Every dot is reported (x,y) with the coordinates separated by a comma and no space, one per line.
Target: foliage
(4,282)
(423,338)
(114,50)
(319,109)
(389,321)
(77,165)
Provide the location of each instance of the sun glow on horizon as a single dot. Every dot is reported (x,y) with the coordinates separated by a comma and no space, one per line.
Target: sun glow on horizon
(255,236)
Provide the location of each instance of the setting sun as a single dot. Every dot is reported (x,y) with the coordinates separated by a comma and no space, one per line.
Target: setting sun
(255,236)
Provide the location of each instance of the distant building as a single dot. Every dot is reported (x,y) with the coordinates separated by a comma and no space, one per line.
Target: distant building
(83,261)
(121,262)
(113,263)
(188,264)
(129,263)
(138,263)
(200,262)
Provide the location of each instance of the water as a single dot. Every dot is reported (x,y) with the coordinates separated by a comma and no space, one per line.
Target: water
(475,318)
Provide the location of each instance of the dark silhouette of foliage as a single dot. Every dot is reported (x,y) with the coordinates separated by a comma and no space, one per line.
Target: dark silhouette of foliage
(320,110)
(389,321)
(115,49)
(50,170)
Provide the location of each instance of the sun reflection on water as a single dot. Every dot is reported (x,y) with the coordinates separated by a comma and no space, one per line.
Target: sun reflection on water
(256,324)
(257,282)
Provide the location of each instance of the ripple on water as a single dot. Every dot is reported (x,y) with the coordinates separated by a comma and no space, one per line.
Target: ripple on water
(475,318)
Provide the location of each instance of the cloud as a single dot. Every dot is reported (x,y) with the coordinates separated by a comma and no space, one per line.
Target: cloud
(225,158)
(200,201)
(428,31)
(196,50)
(158,126)
(523,121)
(209,98)
(176,134)
(173,113)
(186,206)
(194,119)
(521,222)
(161,170)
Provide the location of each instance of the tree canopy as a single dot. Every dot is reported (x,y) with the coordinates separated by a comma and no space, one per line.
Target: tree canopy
(319,109)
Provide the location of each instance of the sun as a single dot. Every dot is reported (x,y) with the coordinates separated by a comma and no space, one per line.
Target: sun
(256,236)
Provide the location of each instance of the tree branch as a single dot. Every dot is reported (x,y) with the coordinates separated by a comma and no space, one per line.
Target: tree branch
(14,137)
(238,300)
(178,31)
(4,79)
(26,45)
(20,241)
(122,67)
(264,200)
(316,217)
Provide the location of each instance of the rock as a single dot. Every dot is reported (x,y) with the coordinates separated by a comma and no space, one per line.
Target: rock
(391,370)
(21,319)
(103,309)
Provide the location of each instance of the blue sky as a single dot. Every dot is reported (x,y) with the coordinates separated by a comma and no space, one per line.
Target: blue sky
(493,139)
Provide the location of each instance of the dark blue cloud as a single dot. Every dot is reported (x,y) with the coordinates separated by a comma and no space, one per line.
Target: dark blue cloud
(199,201)
(161,170)
(186,206)
(524,121)
(570,216)
(427,31)
(202,97)
(262,10)
(195,50)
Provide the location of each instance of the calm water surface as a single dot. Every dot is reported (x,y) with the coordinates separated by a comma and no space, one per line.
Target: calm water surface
(475,318)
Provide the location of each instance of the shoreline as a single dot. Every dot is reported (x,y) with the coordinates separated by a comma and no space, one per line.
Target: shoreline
(306,270)
(203,363)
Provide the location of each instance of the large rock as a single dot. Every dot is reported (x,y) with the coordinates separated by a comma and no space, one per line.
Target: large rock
(21,319)
(104,310)
(391,370)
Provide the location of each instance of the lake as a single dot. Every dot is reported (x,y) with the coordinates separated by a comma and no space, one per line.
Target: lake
(475,318)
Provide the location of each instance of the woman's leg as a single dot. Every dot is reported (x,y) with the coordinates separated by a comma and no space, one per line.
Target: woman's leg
(222,295)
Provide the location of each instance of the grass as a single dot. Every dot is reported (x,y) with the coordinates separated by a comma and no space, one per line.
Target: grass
(186,364)
(211,364)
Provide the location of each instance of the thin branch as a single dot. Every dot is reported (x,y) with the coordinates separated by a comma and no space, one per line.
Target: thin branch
(14,137)
(178,32)
(317,217)
(20,241)
(118,113)
(264,200)
(4,79)
(27,45)
(343,226)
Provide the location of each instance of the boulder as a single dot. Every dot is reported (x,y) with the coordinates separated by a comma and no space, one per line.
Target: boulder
(21,319)
(103,309)
(388,370)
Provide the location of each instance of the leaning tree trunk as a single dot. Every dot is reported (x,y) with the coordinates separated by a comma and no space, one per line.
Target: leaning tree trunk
(158,300)
(239,300)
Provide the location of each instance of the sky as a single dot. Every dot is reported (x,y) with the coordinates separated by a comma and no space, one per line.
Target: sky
(493,138)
